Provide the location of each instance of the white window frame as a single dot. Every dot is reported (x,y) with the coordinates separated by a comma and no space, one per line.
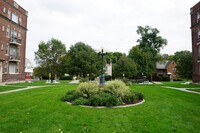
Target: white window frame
(9,13)
(4,9)
(8,32)
(3,28)
(15,18)
(1,46)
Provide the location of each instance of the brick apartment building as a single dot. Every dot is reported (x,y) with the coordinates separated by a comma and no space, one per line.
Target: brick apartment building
(195,29)
(13,28)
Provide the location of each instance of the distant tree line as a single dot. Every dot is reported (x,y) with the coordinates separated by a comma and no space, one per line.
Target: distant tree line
(82,60)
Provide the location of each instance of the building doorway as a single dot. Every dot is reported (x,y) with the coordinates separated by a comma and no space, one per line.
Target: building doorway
(1,67)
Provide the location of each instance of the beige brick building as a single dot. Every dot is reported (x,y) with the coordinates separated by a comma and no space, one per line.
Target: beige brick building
(13,30)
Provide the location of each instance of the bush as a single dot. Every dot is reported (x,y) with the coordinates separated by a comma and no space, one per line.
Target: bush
(129,98)
(166,78)
(127,82)
(113,101)
(81,101)
(105,99)
(178,79)
(157,78)
(82,80)
(87,89)
(66,78)
(116,87)
(108,77)
(114,93)
(139,96)
(70,96)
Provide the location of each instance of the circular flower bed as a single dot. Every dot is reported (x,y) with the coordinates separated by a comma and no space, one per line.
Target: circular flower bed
(114,93)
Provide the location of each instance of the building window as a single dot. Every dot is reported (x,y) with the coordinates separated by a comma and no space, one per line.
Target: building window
(9,14)
(13,33)
(13,68)
(199,53)
(6,68)
(198,17)
(4,9)
(3,28)
(20,20)
(1,46)
(19,35)
(8,32)
(15,18)
(7,49)
(16,5)
(13,50)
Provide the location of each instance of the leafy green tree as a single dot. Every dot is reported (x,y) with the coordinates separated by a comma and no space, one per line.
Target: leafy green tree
(49,55)
(124,67)
(183,60)
(143,60)
(40,72)
(113,56)
(83,60)
(150,40)
(151,43)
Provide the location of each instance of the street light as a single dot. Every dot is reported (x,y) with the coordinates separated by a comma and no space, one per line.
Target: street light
(102,52)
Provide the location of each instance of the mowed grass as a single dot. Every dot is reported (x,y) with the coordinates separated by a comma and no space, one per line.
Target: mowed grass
(16,86)
(40,110)
(197,90)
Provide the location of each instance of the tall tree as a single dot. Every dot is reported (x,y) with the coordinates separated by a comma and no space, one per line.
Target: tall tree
(124,67)
(49,55)
(183,60)
(150,41)
(143,59)
(83,60)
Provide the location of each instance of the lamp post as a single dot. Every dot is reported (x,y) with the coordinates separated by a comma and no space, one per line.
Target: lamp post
(102,52)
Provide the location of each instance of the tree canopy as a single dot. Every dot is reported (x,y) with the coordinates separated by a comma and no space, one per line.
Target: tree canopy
(83,60)
(183,60)
(49,55)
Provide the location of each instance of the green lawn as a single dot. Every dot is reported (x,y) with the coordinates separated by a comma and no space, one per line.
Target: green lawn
(40,110)
(16,86)
(7,88)
(197,90)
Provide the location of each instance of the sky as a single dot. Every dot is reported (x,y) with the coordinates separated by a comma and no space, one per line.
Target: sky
(110,24)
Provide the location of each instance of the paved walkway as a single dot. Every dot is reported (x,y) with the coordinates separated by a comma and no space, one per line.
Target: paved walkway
(182,89)
(27,88)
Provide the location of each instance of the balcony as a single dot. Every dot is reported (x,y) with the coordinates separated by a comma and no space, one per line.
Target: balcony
(15,40)
(14,58)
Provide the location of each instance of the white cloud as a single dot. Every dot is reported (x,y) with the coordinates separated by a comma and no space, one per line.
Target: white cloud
(107,23)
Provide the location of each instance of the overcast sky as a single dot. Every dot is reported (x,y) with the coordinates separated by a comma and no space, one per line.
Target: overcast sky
(111,24)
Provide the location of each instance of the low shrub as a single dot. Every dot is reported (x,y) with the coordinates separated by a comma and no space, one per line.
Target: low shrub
(70,96)
(129,98)
(112,94)
(87,89)
(127,81)
(116,87)
(113,101)
(166,78)
(66,78)
(82,80)
(81,101)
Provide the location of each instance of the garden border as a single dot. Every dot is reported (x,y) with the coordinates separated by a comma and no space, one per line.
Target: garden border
(120,106)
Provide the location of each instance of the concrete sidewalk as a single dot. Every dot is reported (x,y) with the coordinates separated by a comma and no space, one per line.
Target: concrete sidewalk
(29,87)
(182,89)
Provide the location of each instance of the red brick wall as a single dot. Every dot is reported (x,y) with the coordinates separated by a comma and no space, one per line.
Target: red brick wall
(4,21)
(195,46)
